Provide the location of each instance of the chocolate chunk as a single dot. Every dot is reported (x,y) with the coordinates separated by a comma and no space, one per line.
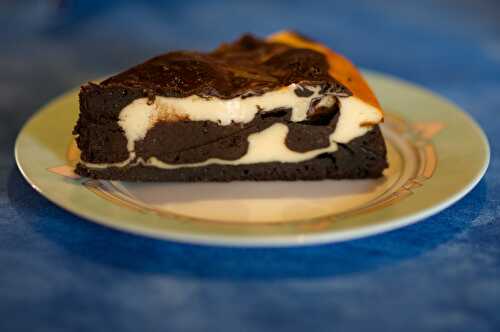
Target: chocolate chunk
(184,142)
(301,91)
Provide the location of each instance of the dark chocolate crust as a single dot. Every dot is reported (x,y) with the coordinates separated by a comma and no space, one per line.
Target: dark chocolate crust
(363,157)
(248,66)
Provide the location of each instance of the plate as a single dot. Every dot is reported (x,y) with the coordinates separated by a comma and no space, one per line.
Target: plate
(428,139)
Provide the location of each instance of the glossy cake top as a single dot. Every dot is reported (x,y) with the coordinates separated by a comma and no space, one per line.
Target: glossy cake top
(249,66)
(339,67)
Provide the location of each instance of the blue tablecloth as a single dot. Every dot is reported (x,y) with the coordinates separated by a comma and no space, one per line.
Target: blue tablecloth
(61,273)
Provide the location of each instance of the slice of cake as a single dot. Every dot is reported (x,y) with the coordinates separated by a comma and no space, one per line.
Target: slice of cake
(284,108)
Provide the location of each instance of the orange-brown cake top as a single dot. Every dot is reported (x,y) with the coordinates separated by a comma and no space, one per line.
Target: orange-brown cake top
(340,68)
(249,66)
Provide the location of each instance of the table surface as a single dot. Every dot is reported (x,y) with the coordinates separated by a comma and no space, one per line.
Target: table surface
(59,272)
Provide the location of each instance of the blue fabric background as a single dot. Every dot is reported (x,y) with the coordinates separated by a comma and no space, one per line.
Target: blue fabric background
(60,273)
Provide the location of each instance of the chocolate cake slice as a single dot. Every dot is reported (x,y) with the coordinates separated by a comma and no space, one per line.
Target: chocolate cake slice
(284,108)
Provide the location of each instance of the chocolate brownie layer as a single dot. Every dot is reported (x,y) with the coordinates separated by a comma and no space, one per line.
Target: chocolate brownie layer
(363,157)
(98,135)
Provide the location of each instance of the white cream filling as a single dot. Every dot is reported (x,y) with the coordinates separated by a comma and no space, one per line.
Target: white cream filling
(356,119)
(140,116)
(269,145)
